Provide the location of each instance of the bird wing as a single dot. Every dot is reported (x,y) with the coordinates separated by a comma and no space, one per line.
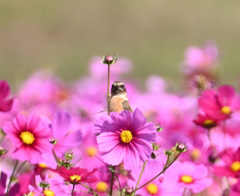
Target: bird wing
(126,106)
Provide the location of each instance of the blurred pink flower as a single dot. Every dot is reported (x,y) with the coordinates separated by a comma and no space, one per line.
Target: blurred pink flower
(200,59)
(125,137)
(5,104)
(231,165)
(76,175)
(218,104)
(30,137)
(190,176)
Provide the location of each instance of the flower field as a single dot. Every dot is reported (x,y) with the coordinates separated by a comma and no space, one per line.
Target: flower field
(105,134)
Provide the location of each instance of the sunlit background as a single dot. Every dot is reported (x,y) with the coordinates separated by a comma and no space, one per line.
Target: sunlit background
(63,36)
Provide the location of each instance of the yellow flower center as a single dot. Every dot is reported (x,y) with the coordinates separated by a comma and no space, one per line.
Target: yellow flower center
(27,137)
(75,178)
(48,192)
(235,166)
(101,186)
(208,122)
(152,188)
(31,194)
(42,165)
(226,110)
(126,136)
(195,154)
(91,151)
(186,179)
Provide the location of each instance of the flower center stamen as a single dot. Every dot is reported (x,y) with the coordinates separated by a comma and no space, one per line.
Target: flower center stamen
(208,122)
(195,154)
(27,137)
(226,110)
(75,178)
(48,192)
(186,179)
(126,136)
(152,188)
(101,186)
(235,166)
(91,151)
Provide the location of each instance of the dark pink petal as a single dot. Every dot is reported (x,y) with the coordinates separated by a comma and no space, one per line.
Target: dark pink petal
(226,94)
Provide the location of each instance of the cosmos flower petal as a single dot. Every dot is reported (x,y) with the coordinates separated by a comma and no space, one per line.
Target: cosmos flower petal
(61,124)
(111,158)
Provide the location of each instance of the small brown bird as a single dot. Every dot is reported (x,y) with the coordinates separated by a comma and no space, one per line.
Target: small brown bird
(118,100)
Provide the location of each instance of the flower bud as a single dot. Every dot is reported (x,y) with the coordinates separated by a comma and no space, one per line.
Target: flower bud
(153,156)
(69,155)
(2,151)
(159,128)
(181,147)
(53,141)
(44,184)
(109,60)
(129,191)
(66,163)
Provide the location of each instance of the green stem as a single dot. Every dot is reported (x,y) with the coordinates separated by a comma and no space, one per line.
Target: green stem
(108,89)
(73,189)
(140,176)
(11,177)
(23,163)
(90,189)
(112,178)
(164,169)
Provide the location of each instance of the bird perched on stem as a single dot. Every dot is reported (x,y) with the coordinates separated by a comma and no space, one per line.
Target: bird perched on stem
(118,100)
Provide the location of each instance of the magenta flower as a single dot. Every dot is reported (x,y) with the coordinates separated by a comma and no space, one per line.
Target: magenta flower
(76,175)
(231,165)
(5,104)
(218,104)
(125,137)
(30,137)
(205,121)
(189,176)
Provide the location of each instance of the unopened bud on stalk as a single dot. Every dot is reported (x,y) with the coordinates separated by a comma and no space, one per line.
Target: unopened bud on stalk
(159,128)
(213,157)
(44,184)
(181,147)
(66,163)
(2,151)
(129,191)
(53,141)
(69,155)
(109,60)
(153,156)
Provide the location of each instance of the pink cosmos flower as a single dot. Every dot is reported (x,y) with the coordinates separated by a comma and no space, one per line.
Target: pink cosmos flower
(5,104)
(231,165)
(197,59)
(205,121)
(125,137)
(189,176)
(30,137)
(159,186)
(218,104)
(76,175)
(56,186)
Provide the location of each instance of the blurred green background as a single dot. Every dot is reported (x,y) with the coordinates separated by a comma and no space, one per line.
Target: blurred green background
(63,35)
